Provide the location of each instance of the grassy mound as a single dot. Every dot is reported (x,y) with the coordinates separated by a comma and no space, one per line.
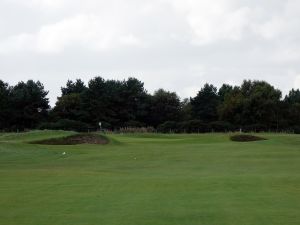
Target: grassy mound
(246,138)
(76,139)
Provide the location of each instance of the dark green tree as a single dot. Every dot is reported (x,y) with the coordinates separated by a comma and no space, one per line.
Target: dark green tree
(136,101)
(256,105)
(205,104)
(224,90)
(98,101)
(165,106)
(291,109)
(72,87)
(293,97)
(261,103)
(69,106)
(231,108)
(186,110)
(5,110)
(29,104)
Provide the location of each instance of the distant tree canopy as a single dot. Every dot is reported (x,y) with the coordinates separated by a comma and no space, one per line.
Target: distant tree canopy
(255,103)
(5,105)
(23,106)
(76,87)
(291,108)
(205,104)
(164,106)
(252,106)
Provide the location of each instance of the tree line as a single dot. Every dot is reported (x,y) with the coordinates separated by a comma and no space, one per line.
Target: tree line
(119,104)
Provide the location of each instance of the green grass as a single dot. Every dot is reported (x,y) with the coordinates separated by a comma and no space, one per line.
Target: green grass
(150,180)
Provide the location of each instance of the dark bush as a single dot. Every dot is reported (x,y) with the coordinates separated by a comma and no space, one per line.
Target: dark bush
(136,130)
(194,126)
(221,126)
(296,129)
(134,124)
(65,124)
(168,127)
(255,128)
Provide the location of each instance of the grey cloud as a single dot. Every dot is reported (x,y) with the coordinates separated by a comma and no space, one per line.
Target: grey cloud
(174,44)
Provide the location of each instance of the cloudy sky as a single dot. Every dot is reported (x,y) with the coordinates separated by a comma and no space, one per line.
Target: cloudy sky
(175,44)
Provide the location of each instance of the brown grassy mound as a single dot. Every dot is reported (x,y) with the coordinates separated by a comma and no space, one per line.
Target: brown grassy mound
(246,138)
(76,139)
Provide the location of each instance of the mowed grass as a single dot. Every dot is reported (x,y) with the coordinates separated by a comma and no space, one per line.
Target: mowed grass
(150,180)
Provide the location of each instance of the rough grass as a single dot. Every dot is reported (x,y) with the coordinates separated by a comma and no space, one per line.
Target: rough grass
(145,179)
(246,138)
(75,139)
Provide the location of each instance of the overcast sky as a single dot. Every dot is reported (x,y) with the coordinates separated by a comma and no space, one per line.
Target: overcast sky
(175,44)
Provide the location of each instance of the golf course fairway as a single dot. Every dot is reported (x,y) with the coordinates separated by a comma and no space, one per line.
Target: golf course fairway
(150,179)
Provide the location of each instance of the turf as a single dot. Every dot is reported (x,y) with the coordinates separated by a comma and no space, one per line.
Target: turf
(150,180)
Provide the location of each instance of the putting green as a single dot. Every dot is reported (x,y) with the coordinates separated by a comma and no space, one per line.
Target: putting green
(150,179)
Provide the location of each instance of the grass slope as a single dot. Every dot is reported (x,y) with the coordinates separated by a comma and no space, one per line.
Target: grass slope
(150,180)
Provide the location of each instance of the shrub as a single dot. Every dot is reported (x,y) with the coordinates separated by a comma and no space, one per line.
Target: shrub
(296,129)
(137,130)
(169,127)
(65,124)
(221,126)
(133,123)
(255,128)
(194,126)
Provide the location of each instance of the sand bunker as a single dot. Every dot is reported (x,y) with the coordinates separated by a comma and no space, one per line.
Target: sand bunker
(246,138)
(76,139)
